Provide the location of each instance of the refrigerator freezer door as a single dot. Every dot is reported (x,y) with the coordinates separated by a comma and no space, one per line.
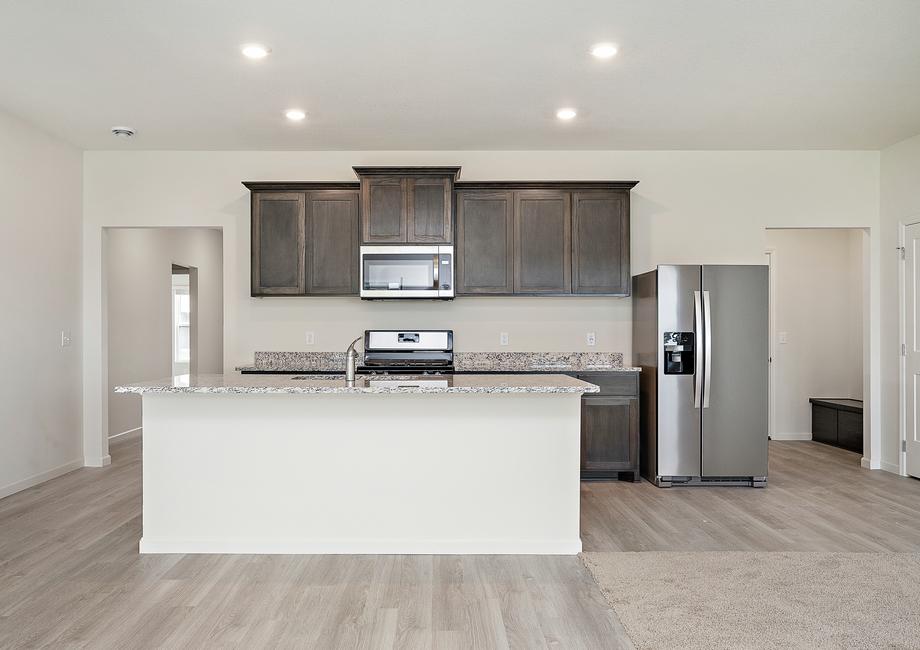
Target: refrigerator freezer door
(735,422)
(678,418)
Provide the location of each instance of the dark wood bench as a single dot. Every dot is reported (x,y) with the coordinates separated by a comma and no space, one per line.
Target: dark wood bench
(837,422)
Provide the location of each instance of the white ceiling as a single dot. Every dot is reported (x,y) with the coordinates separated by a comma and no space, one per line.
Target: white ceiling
(466,74)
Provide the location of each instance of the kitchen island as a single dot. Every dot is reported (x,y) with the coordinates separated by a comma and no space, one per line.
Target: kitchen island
(464,464)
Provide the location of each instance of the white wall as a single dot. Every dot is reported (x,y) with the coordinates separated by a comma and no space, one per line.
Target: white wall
(41,383)
(900,204)
(818,297)
(139,279)
(688,207)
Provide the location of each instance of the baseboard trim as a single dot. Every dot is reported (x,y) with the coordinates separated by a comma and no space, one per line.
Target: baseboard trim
(124,433)
(97,462)
(362,547)
(894,468)
(791,436)
(36,479)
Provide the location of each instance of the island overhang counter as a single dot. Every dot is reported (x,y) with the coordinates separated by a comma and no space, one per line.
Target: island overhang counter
(467,464)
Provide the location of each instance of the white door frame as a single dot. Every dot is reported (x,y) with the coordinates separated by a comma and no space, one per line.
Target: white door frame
(902,341)
(771,328)
(871,458)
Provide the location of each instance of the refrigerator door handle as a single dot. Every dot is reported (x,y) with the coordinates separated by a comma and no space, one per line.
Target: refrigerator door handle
(698,326)
(707,351)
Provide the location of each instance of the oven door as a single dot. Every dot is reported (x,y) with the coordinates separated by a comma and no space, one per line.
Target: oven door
(405,271)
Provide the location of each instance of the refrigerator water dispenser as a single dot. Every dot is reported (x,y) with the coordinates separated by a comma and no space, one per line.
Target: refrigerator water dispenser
(679,355)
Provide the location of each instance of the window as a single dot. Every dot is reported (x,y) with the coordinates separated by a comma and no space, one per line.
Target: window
(181,325)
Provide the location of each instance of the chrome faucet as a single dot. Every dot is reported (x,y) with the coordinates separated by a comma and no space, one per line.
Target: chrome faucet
(351,361)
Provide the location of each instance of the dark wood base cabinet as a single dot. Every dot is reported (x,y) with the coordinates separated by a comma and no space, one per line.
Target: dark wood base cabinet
(610,427)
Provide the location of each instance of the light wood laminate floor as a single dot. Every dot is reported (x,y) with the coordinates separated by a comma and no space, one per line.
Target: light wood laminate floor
(70,574)
(818,499)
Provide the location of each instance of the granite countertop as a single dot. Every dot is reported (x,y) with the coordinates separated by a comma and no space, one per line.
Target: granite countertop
(540,362)
(335,384)
(464,362)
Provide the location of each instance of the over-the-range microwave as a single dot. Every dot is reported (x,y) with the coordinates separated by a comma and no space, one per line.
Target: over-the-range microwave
(407,272)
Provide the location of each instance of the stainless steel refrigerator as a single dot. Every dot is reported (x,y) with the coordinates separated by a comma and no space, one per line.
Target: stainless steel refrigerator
(700,335)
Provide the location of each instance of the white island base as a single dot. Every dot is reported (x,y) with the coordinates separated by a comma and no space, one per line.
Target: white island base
(389,473)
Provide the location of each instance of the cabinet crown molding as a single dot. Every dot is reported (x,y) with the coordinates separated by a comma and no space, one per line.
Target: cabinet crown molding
(546,185)
(453,172)
(300,186)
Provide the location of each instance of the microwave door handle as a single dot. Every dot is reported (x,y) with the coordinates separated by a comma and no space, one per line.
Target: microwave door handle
(436,273)
(698,326)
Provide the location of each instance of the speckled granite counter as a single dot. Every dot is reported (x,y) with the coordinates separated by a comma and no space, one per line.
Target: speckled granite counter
(540,361)
(463,362)
(299,361)
(313,384)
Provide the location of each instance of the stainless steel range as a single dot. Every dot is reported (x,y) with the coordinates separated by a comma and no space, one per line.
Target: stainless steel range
(415,351)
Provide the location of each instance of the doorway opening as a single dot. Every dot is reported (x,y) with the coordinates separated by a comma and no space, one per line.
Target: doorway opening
(163,311)
(819,372)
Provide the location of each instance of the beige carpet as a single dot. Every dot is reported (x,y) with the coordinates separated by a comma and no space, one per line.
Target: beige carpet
(763,600)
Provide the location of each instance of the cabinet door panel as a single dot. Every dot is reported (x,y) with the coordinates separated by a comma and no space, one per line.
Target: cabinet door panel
(484,242)
(600,243)
(429,210)
(384,210)
(277,244)
(542,242)
(609,433)
(332,242)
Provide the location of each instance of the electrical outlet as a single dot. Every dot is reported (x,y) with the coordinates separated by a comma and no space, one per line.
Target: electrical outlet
(783,337)
(310,338)
(503,338)
(66,339)
(591,338)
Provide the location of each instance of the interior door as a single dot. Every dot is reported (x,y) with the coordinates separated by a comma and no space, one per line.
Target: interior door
(912,335)
(735,305)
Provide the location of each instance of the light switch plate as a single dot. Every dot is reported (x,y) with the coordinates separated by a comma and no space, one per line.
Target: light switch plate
(591,338)
(503,338)
(66,339)
(783,337)
(310,338)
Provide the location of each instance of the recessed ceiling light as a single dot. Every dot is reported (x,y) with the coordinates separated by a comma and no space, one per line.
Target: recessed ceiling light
(122,131)
(295,114)
(566,113)
(255,51)
(604,50)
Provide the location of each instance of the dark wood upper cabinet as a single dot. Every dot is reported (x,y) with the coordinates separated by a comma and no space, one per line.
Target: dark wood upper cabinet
(485,233)
(542,242)
(429,210)
(278,240)
(551,238)
(383,214)
(407,204)
(600,243)
(332,242)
